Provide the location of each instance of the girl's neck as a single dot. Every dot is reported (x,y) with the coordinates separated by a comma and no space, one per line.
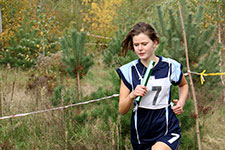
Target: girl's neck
(146,62)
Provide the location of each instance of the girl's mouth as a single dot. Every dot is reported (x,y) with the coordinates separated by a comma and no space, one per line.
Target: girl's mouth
(141,54)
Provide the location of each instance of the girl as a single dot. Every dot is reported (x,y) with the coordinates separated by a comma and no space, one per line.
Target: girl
(154,125)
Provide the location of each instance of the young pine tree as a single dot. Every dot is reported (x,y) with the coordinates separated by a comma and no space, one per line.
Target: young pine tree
(74,56)
(201,42)
(23,48)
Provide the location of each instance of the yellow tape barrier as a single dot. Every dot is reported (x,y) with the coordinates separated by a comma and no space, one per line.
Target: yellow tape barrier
(208,74)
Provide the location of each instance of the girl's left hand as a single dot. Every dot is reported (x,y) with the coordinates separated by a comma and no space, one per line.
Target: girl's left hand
(178,108)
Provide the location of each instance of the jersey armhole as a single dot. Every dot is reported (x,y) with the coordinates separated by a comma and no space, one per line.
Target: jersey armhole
(179,81)
(178,77)
(128,85)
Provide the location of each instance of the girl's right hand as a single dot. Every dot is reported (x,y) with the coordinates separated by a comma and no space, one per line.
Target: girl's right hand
(140,90)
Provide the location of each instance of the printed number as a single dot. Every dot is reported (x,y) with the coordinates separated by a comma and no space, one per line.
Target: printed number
(174,138)
(157,89)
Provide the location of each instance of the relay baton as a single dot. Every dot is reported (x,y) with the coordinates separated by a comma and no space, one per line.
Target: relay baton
(146,76)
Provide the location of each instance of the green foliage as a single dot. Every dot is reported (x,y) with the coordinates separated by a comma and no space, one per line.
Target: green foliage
(74,56)
(104,117)
(82,118)
(48,27)
(201,42)
(12,16)
(160,51)
(187,142)
(187,121)
(63,96)
(35,35)
(114,78)
(24,47)
(211,64)
(114,47)
(113,53)
(66,12)
(57,96)
(108,110)
(133,11)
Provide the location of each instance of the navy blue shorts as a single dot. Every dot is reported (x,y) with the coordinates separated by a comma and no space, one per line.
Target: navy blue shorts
(166,139)
(153,126)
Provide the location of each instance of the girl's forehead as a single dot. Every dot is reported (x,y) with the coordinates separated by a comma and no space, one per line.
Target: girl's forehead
(141,37)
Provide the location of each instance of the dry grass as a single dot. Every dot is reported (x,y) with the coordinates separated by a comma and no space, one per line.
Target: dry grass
(49,131)
(15,96)
(98,76)
(214,128)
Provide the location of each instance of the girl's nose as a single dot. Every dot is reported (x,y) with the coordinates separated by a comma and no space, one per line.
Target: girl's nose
(140,47)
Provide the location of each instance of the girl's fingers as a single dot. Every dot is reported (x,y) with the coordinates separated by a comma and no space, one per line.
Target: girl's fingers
(140,93)
(175,101)
(178,110)
(140,90)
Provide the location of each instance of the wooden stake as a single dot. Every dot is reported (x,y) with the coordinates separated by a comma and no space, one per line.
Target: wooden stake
(220,54)
(13,87)
(191,82)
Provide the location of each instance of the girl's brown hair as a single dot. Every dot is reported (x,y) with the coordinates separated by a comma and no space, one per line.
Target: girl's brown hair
(140,27)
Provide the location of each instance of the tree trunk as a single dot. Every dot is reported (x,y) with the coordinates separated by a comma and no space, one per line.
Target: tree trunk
(191,82)
(78,85)
(79,90)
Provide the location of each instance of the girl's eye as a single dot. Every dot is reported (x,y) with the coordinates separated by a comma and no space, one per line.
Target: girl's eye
(135,45)
(144,44)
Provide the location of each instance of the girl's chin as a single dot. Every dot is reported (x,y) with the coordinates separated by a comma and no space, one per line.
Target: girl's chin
(142,57)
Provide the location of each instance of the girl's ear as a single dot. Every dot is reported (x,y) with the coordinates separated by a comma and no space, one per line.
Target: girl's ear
(156,43)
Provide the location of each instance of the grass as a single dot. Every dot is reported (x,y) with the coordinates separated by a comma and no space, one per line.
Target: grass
(97,126)
(213,128)
(61,129)
(98,76)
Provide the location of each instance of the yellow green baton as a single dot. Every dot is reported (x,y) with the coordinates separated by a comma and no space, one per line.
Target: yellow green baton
(146,77)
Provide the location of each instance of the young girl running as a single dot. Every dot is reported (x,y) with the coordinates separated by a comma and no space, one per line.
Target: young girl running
(154,125)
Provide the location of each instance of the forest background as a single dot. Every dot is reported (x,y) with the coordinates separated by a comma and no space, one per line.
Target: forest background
(60,52)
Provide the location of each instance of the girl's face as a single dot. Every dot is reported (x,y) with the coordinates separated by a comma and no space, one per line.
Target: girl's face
(144,47)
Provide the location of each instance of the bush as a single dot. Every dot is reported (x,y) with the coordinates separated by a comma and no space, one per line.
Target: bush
(29,40)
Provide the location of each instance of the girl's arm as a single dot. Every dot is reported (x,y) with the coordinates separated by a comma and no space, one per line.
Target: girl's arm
(127,97)
(183,93)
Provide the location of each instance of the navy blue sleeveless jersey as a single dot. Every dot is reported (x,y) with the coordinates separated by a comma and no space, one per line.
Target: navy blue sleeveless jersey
(153,119)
